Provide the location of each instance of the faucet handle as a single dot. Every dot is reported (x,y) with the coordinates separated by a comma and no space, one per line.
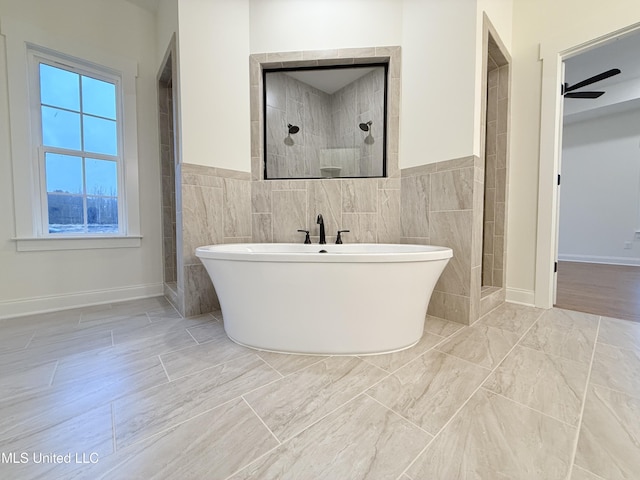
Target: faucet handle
(339,238)
(307,239)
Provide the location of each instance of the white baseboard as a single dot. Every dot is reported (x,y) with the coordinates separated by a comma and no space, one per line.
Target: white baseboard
(521,296)
(51,303)
(631,261)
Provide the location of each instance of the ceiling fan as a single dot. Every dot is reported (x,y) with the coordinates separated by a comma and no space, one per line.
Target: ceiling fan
(568,90)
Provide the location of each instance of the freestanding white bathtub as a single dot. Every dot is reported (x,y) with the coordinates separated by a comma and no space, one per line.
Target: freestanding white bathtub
(353,299)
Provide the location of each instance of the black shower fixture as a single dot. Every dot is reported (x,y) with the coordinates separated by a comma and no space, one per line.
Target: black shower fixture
(365,126)
(293,129)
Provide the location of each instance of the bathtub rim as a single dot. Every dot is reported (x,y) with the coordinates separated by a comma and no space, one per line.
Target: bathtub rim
(344,253)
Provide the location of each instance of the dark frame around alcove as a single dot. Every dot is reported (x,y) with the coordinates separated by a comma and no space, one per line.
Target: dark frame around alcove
(267,70)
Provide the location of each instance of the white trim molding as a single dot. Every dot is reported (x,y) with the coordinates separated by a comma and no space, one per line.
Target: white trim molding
(35,244)
(630,261)
(52,303)
(521,296)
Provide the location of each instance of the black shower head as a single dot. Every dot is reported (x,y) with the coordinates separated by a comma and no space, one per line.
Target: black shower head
(293,129)
(365,126)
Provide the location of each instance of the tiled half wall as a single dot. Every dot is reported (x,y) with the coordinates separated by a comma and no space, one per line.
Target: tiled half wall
(216,208)
(440,204)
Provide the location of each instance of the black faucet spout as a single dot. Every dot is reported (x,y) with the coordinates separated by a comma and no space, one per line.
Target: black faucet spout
(320,221)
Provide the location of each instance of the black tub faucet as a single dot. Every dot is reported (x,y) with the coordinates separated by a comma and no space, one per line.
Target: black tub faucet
(320,222)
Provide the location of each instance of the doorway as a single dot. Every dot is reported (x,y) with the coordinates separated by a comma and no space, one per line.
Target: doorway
(598,245)
(166,115)
(495,170)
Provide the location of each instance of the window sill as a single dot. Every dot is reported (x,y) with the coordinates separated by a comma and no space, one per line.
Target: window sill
(34,244)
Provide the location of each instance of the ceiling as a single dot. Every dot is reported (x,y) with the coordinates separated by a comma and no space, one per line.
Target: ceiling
(622,92)
(330,80)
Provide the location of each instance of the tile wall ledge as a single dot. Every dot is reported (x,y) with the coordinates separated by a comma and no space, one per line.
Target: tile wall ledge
(453,164)
(195,169)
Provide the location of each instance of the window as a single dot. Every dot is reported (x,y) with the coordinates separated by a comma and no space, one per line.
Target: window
(80,161)
(74,142)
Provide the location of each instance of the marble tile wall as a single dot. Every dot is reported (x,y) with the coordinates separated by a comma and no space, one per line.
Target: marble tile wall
(368,207)
(441,204)
(495,176)
(291,101)
(215,208)
(312,58)
(167,164)
(360,102)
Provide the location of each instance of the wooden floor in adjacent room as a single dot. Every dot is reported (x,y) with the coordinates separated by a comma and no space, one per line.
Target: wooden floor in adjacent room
(607,290)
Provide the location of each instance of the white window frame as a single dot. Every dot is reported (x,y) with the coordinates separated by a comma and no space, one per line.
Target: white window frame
(24,43)
(38,56)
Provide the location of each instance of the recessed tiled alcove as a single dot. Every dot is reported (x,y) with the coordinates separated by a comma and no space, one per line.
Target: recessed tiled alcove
(495,150)
(439,203)
(368,207)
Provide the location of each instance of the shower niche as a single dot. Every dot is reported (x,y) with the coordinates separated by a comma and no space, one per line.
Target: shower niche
(325,122)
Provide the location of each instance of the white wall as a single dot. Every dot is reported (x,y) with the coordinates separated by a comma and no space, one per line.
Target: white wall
(213,50)
(31,281)
(166,26)
(542,30)
(600,190)
(439,117)
(291,25)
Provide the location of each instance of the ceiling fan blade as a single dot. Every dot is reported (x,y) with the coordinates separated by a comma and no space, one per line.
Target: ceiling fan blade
(583,94)
(594,79)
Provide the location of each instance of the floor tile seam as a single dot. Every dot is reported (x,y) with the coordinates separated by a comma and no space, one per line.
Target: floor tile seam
(29,341)
(164,368)
(113,429)
(191,335)
(246,354)
(315,422)
(168,428)
(587,470)
(635,396)
(574,450)
(501,305)
(489,370)
(526,330)
(477,389)
(458,410)
(185,347)
(104,322)
(400,415)
(67,337)
(53,373)
(290,373)
(553,355)
(529,407)
(271,366)
(255,460)
(261,421)
(391,372)
(633,349)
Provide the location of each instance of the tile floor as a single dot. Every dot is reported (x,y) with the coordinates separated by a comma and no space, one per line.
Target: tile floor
(134,391)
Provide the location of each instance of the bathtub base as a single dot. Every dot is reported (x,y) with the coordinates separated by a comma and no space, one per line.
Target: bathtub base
(357,299)
(283,352)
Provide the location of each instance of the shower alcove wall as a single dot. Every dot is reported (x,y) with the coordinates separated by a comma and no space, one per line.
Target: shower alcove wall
(168,181)
(496,151)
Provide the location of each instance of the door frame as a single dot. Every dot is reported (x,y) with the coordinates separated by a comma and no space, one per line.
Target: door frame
(553,57)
